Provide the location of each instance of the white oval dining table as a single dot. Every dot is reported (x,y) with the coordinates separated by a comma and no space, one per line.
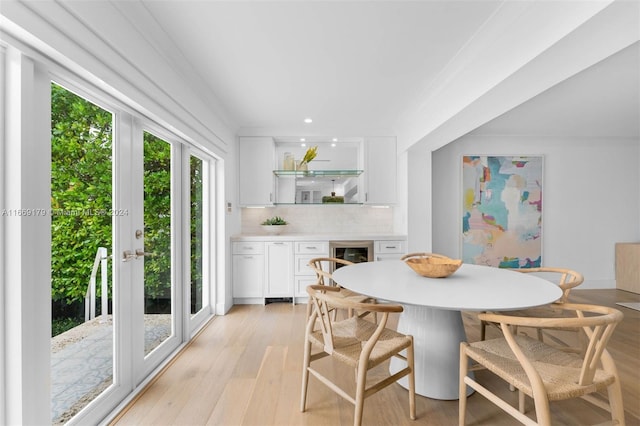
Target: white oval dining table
(432,310)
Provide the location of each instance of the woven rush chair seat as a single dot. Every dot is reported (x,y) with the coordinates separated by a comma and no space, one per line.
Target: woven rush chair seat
(544,372)
(559,370)
(351,334)
(356,342)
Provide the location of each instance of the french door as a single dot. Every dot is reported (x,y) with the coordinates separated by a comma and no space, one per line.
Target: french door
(169,237)
(153,253)
(158,273)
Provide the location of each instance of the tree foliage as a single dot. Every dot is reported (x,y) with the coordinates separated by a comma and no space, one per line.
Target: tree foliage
(157,217)
(82,193)
(197,201)
(81,190)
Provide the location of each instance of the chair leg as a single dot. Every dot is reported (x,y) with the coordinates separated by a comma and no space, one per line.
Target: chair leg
(462,397)
(305,375)
(541,403)
(360,385)
(412,381)
(483,330)
(521,396)
(308,309)
(615,401)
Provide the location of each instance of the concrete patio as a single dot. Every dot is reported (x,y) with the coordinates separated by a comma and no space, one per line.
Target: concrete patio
(82,362)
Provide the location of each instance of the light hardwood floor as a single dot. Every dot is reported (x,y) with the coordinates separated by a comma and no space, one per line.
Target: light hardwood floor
(244,368)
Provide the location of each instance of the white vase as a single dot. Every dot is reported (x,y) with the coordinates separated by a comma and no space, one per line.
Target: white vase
(274,229)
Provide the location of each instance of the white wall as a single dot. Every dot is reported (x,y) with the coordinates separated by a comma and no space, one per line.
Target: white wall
(590,197)
(419,198)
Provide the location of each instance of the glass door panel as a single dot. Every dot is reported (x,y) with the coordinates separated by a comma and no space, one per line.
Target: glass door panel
(82,362)
(158,243)
(197,235)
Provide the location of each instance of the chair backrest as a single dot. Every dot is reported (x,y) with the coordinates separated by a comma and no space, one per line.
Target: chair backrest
(566,279)
(324,273)
(423,254)
(598,327)
(324,298)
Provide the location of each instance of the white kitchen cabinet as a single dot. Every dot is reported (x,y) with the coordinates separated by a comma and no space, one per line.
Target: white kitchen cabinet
(278,269)
(248,271)
(386,250)
(256,156)
(380,170)
(304,275)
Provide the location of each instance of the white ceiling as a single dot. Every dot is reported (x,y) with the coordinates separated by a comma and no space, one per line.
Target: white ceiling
(350,66)
(409,68)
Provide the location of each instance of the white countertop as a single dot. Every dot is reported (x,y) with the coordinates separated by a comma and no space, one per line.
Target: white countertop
(318,237)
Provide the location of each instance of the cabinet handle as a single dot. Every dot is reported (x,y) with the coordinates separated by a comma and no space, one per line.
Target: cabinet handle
(278,243)
(311,248)
(248,257)
(247,248)
(390,247)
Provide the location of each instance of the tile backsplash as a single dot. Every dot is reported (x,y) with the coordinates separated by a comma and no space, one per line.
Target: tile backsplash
(352,219)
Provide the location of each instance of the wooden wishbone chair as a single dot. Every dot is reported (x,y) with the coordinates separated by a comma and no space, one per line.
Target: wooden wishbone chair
(543,372)
(356,342)
(566,279)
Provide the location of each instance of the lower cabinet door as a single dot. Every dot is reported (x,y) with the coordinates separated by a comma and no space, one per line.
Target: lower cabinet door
(301,285)
(248,275)
(278,269)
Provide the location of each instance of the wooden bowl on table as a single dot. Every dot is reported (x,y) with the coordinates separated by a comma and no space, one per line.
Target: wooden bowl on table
(433,267)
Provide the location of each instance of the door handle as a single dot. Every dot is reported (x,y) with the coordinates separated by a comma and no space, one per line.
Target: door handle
(127,255)
(142,253)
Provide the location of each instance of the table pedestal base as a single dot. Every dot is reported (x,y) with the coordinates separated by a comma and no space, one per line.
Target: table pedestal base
(437,334)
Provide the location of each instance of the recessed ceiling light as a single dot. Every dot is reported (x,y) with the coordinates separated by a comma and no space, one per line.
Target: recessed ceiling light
(308,120)
(335,139)
(333,145)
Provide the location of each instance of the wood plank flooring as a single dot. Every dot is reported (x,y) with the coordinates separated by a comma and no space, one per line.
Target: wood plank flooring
(245,367)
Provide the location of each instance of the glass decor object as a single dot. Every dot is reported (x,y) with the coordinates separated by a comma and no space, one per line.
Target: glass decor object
(289,162)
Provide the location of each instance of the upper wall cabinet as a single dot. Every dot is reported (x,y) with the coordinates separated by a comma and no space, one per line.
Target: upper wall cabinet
(380,170)
(256,156)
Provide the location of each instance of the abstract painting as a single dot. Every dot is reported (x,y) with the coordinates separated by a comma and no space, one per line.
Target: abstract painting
(502,211)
